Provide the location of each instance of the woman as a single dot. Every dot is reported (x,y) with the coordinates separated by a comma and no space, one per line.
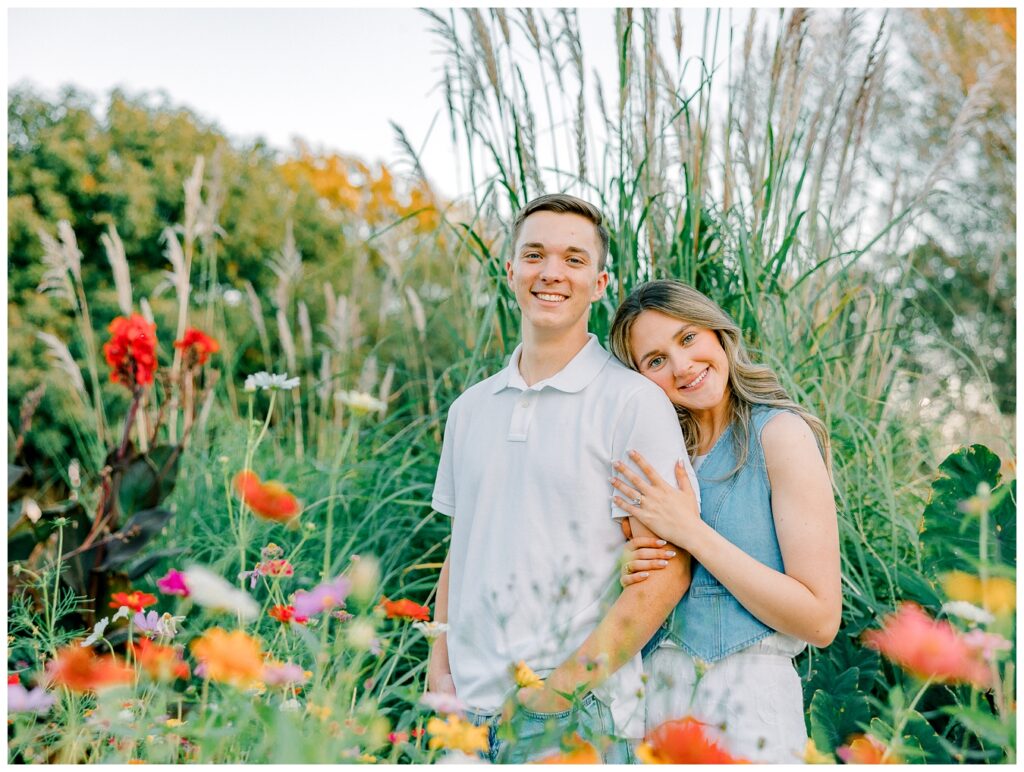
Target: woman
(764,542)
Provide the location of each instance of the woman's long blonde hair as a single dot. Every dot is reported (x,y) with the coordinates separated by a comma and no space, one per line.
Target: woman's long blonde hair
(749,383)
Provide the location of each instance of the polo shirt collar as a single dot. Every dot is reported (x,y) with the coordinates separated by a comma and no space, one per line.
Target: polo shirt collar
(574,377)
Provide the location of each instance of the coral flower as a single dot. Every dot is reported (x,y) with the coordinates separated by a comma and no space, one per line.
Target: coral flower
(196,346)
(135,600)
(405,609)
(455,734)
(578,752)
(162,663)
(683,741)
(865,749)
(928,648)
(232,658)
(131,351)
(285,614)
(173,584)
(270,500)
(80,670)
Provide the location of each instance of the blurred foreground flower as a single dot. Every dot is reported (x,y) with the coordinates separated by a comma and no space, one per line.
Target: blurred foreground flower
(364,573)
(683,741)
(135,600)
(813,756)
(196,347)
(173,584)
(578,752)
(131,351)
(865,749)
(967,611)
(927,648)
(162,663)
(986,644)
(270,500)
(359,402)
(232,658)
(405,609)
(285,614)
(431,630)
(270,382)
(442,702)
(80,670)
(455,734)
(21,700)
(996,594)
(524,677)
(283,674)
(323,597)
(212,591)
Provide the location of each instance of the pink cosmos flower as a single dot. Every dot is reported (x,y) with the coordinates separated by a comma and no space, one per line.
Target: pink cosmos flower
(322,598)
(173,584)
(440,702)
(283,674)
(987,643)
(21,700)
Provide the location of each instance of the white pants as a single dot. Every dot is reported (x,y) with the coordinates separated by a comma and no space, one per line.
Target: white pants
(751,700)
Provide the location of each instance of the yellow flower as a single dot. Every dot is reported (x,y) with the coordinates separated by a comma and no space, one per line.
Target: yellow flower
(997,595)
(526,678)
(455,734)
(813,756)
(961,586)
(173,722)
(321,712)
(369,758)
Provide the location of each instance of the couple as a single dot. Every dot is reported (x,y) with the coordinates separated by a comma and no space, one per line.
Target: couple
(547,464)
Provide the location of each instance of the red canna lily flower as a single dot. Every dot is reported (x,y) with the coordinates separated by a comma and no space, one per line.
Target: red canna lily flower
(285,614)
(163,663)
(135,600)
(683,741)
(80,670)
(131,351)
(405,609)
(865,749)
(928,648)
(269,500)
(196,346)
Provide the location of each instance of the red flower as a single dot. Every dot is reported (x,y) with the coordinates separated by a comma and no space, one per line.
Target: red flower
(135,600)
(865,749)
(13,679)
(131,351)
(163,663)
(418,733)
(81,670)
(269,500)
(683,741)
(196,346)
(405,609)
(285,614)
(928,648)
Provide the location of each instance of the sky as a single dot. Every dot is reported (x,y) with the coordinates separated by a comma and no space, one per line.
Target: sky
(334,77)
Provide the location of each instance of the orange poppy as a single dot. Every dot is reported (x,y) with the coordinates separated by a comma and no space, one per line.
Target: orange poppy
(232,658)
(135,600)
(80,670)
(683,741)
(270,500)
(163,663)
(405,609)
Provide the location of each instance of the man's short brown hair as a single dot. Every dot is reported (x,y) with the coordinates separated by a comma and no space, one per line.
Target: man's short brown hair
(563,203)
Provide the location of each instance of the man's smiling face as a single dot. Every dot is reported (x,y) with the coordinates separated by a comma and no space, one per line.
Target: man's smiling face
(554,271)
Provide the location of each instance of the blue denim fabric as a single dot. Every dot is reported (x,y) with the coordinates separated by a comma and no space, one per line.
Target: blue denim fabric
(529,735)
(709,623)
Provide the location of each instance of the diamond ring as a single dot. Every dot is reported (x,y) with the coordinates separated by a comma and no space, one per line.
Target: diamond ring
(638,501)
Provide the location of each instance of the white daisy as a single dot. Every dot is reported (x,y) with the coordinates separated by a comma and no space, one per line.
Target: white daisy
(968,611)
(360,402)
(213,591)
(270,381)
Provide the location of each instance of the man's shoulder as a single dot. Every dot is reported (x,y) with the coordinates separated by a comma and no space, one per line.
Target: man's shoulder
(628,382)
(481,390)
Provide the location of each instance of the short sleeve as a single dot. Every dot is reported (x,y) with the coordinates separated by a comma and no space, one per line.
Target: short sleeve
(443,499)
(648,424)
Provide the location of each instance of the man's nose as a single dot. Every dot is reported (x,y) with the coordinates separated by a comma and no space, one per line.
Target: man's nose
(551,269)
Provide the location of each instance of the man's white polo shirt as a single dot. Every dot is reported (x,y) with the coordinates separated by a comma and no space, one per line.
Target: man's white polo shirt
(535,539)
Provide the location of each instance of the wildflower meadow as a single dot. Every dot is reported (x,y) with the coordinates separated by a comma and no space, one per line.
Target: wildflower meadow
(230,371)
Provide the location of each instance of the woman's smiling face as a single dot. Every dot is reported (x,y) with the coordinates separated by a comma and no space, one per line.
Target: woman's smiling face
(685,360)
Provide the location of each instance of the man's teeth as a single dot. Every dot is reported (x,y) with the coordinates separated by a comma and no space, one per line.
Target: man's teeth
(696,381)
(555,298)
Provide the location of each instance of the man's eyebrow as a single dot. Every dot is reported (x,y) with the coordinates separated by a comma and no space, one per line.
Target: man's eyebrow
(539,245)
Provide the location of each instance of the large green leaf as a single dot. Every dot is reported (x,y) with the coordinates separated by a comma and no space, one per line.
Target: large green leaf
(831,663)
(951,536)
(837,713)
(126,543)
(148,479)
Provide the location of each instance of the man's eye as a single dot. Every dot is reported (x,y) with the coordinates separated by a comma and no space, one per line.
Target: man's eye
(531,256)
(577,260)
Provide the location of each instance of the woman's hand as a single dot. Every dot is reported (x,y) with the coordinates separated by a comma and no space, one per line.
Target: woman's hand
(671,513)
(643,555)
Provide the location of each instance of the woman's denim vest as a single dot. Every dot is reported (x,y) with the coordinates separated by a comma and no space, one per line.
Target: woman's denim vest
(709,623)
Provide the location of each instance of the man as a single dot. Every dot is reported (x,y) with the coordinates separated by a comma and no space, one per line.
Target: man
(531,573)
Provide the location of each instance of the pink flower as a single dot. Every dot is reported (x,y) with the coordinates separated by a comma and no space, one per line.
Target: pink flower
(322,598)
(21,700)
(283,674)
(987,643)
(440,702)
(173,584)
(927,648)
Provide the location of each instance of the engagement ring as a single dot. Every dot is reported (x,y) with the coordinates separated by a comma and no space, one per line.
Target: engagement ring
(638,501)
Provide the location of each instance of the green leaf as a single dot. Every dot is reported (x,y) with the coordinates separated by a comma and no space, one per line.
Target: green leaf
(843,654)
(839,712)
(148,479)
(126,543)
(985,725)
(927,739)
(951,537)
(145,564)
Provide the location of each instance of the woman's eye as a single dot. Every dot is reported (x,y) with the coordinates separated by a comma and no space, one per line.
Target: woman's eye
(689,337)
(656,362)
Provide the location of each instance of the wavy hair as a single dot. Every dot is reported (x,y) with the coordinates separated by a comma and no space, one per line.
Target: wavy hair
(749,383)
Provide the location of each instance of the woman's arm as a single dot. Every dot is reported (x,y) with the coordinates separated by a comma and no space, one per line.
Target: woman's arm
(806,600)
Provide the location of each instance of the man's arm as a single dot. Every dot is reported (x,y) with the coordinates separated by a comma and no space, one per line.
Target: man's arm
(439,671)
(629,624)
